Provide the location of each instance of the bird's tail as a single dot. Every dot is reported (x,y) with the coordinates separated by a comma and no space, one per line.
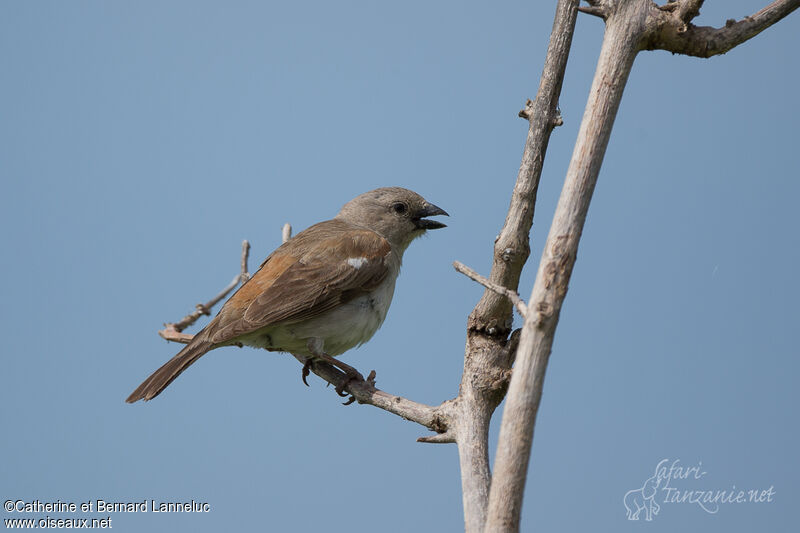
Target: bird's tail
(158,380)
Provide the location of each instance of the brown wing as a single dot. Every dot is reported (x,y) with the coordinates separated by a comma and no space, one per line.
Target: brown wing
(322,267)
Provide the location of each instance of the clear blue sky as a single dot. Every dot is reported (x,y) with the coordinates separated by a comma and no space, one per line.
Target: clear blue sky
(140,142)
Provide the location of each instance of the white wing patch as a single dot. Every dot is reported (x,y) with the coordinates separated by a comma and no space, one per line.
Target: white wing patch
(356,262)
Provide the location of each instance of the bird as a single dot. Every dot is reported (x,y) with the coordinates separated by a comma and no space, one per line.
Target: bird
(322,292)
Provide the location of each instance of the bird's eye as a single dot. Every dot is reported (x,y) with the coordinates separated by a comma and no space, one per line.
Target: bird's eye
(400,208)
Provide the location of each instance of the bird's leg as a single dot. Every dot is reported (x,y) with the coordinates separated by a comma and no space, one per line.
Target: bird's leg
(352,374)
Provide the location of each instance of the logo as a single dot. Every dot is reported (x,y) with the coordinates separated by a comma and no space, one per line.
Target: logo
(673,483)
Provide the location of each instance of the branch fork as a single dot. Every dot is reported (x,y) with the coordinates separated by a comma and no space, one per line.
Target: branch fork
(669,26)
(519,305)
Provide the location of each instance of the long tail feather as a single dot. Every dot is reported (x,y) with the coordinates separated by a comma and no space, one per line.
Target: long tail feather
(161,378)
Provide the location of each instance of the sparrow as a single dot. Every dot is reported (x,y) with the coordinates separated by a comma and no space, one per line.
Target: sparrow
(320,293)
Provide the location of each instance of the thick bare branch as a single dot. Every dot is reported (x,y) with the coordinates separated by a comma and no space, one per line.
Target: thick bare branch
(672,33)
(620,45)
(487,359)
(631,25)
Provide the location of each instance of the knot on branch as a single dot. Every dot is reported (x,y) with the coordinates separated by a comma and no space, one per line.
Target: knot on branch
(493,328)
(517,252)
(443,424)
(492,383)
(558,120)
(527,112)
(501,381)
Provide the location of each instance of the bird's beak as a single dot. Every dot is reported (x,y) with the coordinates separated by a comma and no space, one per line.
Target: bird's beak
(429,210)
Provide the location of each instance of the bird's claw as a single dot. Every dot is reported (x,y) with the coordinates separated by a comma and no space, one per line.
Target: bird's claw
(306,371)
(352,375)
(355,377)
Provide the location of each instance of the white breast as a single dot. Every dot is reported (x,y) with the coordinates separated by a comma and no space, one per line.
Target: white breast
(342,328)
(347,326)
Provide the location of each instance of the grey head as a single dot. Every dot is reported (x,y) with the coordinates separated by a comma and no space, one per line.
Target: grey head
(397,214)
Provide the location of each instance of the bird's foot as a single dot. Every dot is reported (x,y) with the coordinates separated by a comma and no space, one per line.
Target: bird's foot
(352,375)
(370,381)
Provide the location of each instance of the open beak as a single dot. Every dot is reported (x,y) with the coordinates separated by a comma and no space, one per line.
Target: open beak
(429,210)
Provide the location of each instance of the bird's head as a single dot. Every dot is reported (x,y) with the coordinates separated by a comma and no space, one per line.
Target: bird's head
(397,214)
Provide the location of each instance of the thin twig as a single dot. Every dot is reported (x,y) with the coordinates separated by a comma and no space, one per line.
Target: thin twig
(173,335)
(172,330)
(245,275)
(520,306)
(448,437)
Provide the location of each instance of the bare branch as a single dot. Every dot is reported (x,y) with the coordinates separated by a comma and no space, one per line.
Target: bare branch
(631,25)
(688,9)
(487,360)
(671,32)
(172,330)
(624,27)
(512,246)
(173,335)
(511,295)
(596,11)
(448,437)
(434,418)
(244,275)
